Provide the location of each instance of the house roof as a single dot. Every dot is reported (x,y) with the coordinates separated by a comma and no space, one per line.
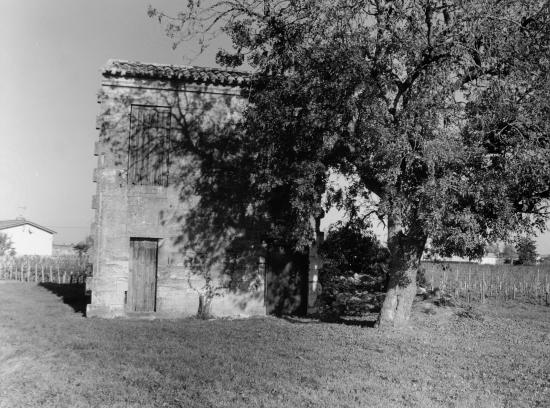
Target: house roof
(197,75)
(18,222)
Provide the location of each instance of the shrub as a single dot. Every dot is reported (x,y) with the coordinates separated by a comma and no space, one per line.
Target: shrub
(354,270)
(527,251)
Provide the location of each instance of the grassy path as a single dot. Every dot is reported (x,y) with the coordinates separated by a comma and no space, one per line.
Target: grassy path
(51,356)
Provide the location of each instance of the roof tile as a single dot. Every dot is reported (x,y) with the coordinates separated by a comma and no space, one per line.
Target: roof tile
(199,75)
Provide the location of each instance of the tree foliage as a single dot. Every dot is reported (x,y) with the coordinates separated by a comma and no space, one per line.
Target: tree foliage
(83,247)
(527,250)
(6,245)
(352,249)
(439,107)
(354,270)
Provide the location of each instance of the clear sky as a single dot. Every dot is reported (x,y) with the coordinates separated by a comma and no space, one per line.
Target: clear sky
(51,52)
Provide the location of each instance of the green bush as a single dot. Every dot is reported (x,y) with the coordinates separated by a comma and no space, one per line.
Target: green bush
(354,270)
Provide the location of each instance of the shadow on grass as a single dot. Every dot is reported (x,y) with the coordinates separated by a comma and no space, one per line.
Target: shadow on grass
(348,321)
(73,294)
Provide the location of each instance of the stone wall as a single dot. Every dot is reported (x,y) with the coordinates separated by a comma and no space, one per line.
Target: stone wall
(125,211)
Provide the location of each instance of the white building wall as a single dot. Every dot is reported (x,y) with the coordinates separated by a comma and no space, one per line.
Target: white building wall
(334,215)
(491,260)
(29,240)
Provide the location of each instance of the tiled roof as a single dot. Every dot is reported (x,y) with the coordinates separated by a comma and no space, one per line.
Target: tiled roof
(198,75)
(16,223)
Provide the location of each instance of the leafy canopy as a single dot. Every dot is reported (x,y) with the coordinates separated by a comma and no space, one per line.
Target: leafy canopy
(439,107)
(352,249)
(527,250)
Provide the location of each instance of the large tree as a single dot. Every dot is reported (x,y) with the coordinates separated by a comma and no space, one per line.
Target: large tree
(438,107)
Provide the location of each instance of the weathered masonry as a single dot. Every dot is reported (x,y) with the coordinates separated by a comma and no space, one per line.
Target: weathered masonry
(142,204)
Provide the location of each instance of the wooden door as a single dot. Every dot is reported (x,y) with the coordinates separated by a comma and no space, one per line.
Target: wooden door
(286,283)
(142,280)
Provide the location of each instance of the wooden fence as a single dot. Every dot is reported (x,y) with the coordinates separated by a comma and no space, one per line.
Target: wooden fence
(476,283)
(40,269)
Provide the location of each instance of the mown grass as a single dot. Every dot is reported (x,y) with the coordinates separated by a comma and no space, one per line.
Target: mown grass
(51,356)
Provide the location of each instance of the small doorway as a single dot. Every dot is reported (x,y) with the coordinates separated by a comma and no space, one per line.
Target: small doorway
(142,280)
(286,282)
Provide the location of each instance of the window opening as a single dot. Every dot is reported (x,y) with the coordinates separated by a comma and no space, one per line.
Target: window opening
(149,145)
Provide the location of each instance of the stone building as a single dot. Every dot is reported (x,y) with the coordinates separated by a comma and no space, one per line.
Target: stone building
(145,207)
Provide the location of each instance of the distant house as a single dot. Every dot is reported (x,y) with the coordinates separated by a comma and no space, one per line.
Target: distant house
(488,259)
(491,258)
(27,237)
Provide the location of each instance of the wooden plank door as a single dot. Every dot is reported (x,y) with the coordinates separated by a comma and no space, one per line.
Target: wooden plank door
(286,283)
(142,281)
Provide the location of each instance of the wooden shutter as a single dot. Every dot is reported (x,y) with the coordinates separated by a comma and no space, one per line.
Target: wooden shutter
(149,145)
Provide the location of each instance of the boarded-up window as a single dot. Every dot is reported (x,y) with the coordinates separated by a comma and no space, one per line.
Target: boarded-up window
(149,145)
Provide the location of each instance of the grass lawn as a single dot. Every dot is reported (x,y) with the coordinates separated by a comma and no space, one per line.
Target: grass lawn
(51,356)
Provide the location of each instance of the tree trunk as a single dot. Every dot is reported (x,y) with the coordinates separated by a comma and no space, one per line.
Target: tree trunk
(405,254)
(205,303)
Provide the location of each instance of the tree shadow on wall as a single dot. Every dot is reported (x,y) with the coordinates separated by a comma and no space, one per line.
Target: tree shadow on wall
(220,216)
(220,225)
(209,172)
